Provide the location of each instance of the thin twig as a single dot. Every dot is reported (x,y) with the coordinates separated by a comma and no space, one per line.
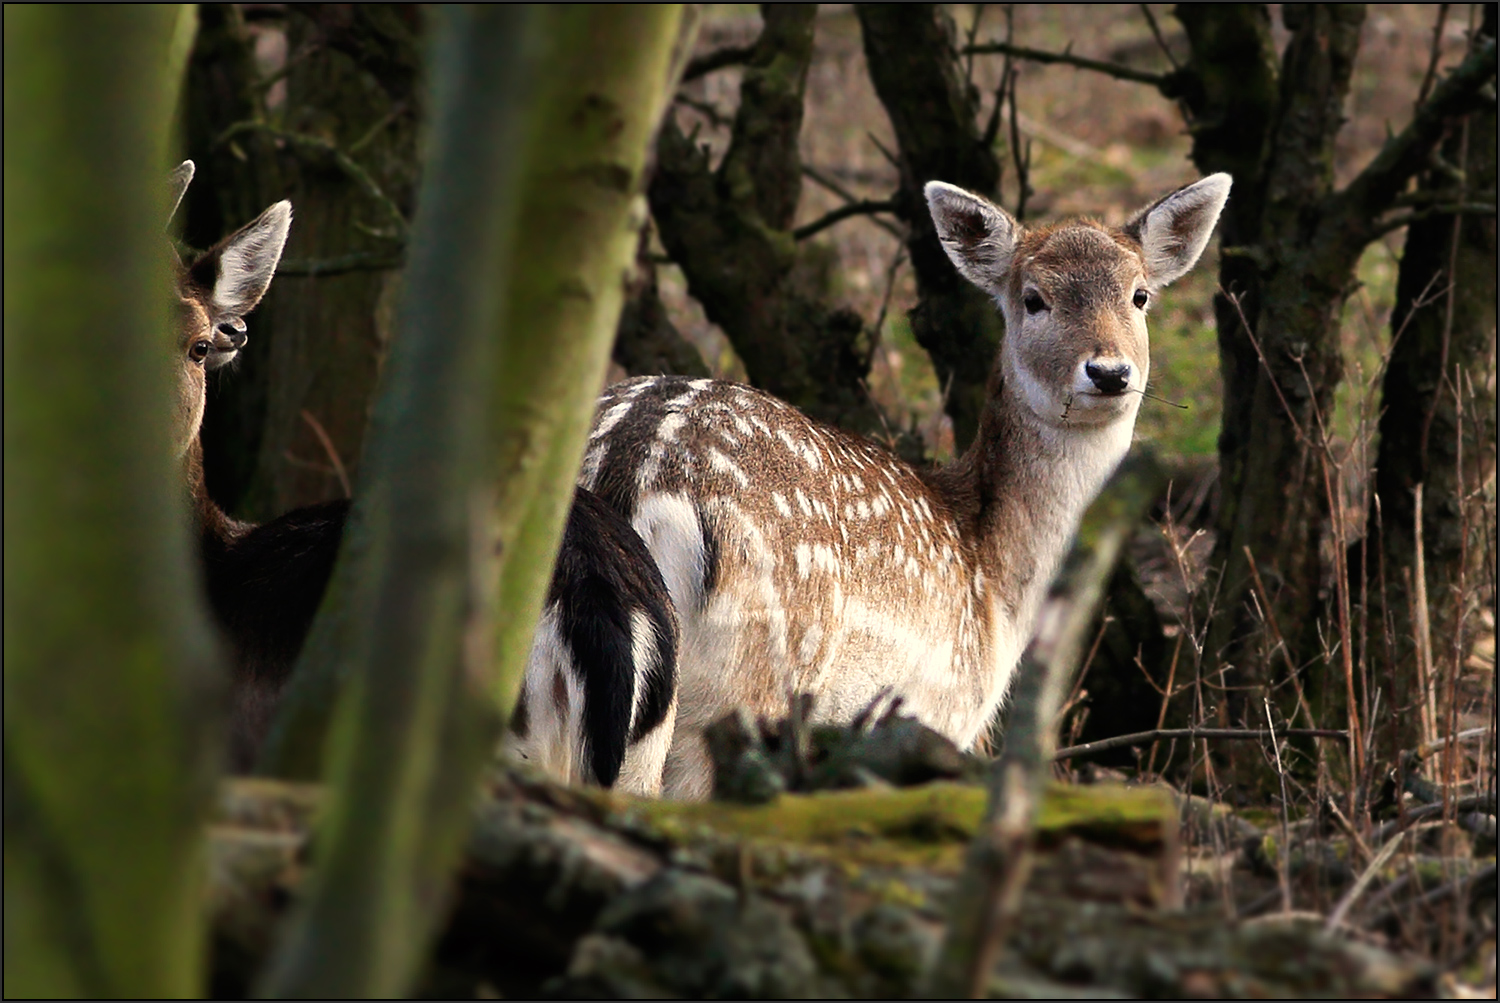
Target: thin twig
(1463,736)
(397,110)
(1361,883)
(1284,854)
(1156,34)
(972,33)
(1230,734)
(333,454)
(843,212)
(1115,70)
(1435,54)
(1275,384)
(1021,158)
(1269,612)
(1438,894)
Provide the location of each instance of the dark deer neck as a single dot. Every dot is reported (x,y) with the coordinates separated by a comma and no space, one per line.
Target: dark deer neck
(216,530)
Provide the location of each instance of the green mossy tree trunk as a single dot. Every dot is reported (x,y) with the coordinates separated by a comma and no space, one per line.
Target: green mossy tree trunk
(582,214)
(731,231)
(913,62)
(110,668)
(1440,349)
(409,611)
(528,224)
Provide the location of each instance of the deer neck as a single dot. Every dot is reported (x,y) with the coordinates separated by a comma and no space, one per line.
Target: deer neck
(1021,489)
(216,529)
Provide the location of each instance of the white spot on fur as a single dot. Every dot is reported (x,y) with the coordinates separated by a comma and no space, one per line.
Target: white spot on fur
(724,464)
(609,419)
(670,426)
(803,555)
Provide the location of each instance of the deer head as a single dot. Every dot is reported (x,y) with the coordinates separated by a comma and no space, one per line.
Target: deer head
(213,295)
(1075,296)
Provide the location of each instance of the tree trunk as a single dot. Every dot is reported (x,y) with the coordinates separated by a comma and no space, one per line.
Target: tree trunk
(913,63)
(1439,340)
(1272,450)
(110,668)
(434,600)
(416,575)
(731,231)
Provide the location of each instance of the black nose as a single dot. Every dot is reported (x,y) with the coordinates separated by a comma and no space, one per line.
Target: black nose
(1111,379)
(237,339)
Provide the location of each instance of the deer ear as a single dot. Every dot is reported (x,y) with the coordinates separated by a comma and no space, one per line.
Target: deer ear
(980,237)
(177,186)
(1174,230)
(240,268)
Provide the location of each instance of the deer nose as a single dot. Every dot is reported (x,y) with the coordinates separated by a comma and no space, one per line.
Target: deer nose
(1110,378)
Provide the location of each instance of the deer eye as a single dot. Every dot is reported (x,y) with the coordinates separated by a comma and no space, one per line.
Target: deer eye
(200,349)
(1140,299)
(1033,302)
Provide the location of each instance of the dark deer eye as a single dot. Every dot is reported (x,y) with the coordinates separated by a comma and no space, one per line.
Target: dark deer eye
(200,350)
(1033,301)
(1140,299)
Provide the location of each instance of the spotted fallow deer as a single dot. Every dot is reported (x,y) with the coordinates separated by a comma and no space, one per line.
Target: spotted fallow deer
(597,698)
(802,558)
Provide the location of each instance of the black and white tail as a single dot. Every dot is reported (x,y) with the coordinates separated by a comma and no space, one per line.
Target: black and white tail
(599,699)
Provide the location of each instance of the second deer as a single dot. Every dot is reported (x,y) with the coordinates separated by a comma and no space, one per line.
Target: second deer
(801,558)
(598,697)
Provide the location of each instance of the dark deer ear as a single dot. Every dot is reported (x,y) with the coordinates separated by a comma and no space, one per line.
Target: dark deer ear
(177,186)
(239,269)
(1174,230)
(979,237)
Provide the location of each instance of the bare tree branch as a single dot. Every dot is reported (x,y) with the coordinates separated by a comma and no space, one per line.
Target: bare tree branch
(702,66)
(1193,734)
(1452,209)
(1406,153)
(1116,70)
(843,212)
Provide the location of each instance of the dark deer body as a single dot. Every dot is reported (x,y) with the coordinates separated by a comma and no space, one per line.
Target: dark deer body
(801,558)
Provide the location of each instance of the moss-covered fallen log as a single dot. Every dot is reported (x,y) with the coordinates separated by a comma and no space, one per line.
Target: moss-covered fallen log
(582,893)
